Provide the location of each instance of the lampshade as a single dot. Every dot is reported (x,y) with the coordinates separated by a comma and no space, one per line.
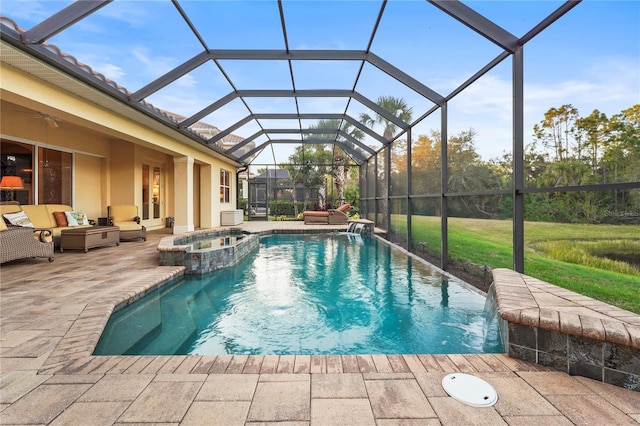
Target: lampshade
(11,182)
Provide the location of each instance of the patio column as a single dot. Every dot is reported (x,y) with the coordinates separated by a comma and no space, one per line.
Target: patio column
(208,218)
(183,194)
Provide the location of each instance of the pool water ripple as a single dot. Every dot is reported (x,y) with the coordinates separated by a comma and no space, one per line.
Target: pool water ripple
(318,294)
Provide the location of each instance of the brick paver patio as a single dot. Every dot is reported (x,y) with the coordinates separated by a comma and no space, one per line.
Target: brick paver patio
(52,315)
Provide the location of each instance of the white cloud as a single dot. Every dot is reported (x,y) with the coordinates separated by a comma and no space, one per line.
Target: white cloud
(27,13)
(112,71)
(155,65)
(127,11)
(187,82)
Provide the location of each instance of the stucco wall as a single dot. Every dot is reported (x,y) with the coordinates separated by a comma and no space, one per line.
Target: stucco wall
(89,191)
(109,149)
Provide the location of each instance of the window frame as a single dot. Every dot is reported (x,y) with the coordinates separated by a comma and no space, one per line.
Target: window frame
(225,186)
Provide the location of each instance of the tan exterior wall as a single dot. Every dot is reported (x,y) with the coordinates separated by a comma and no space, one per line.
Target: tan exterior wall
(89,192)
(197,205)
(109,150)
(123,170)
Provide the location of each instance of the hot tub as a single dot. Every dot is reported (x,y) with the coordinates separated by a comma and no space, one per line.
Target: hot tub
(206,250)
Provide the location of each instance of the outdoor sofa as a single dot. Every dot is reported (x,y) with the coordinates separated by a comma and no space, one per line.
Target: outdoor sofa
(327,217)
(54,217)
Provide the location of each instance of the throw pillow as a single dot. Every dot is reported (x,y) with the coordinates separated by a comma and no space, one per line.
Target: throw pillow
(82,217)
(77,218)
(61,219)
(71,218)
(18,219)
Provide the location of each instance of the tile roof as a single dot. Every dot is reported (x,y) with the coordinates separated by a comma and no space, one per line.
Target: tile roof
(204,130)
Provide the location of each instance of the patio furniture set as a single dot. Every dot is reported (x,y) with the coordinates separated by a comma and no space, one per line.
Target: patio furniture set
(36,230)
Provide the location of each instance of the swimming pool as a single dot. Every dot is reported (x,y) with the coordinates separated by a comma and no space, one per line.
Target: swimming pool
(307,294)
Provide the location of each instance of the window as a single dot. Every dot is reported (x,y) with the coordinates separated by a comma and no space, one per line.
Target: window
(51,180)
(17,165)
(54,177)
(225,186)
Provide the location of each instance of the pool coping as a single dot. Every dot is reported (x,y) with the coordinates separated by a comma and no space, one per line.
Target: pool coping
(567,331)
(70,356)
(43,304)
(526,322)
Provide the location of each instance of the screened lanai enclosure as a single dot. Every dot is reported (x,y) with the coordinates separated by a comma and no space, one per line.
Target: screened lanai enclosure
(441,121)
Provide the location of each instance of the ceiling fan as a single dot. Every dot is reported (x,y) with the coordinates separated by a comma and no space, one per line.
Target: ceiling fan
(51,120)
(48,118)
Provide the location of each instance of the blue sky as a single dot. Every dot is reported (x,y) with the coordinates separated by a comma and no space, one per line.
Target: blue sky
(589,58)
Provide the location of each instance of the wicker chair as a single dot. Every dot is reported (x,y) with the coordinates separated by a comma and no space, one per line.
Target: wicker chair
(126,218)
(17,242)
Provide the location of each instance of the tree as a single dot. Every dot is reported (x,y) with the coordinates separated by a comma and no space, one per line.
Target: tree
(588,150)
(621,157)
(396,106)
(426,164)
(595,128)
(340,169)
(555,129)
(308,166)
(467,172)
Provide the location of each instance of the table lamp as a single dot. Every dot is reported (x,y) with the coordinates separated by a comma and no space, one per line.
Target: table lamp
(11,183)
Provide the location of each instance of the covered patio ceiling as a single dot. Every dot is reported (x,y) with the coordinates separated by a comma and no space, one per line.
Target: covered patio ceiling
(270,71)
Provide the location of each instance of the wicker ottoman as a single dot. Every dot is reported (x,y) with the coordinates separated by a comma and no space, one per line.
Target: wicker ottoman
(86,238)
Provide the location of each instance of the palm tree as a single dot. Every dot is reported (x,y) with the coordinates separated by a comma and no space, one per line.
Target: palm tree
(396,106)
(340,157)
(306,166)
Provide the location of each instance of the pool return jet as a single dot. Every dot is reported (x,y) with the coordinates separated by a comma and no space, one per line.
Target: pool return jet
(355,228)
(354,231)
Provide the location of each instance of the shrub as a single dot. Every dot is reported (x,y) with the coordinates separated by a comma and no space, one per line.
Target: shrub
(281,208)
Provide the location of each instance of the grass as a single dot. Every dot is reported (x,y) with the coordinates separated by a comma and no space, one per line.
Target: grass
(596,254)
(581,258)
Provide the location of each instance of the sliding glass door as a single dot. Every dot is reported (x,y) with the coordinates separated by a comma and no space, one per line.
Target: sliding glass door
(152,194)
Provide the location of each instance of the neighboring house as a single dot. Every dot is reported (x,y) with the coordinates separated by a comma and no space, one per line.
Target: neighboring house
(279,186)
(72,144)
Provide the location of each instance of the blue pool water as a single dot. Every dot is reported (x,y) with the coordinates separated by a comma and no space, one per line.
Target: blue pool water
(307,294)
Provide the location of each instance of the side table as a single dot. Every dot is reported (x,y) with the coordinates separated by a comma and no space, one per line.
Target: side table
(89,237)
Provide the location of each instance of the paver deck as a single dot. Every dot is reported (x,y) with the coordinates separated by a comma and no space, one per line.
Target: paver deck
(51,314)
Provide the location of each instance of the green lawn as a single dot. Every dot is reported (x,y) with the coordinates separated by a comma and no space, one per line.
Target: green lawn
(567,255)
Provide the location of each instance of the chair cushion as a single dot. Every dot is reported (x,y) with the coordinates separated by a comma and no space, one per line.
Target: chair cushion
(3,226)
(52,208)
(316,213)
(128,226)
(18,219)
(343,208)
(39,215)
(123,213)
(9,208)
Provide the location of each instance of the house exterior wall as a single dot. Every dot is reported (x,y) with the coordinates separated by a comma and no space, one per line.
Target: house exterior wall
(89,185)
(109,150)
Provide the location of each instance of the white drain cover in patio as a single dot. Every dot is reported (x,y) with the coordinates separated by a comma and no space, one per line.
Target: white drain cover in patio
(470,390)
